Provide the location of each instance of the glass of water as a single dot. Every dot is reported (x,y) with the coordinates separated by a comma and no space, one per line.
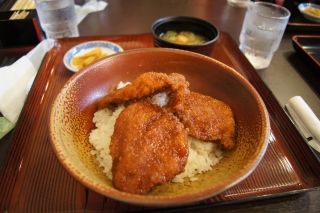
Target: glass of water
(262,31)
(57,18)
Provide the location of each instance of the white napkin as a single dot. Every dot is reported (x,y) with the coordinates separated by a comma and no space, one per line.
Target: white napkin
(15,83)
(14,80)
(306,120)
(89,7)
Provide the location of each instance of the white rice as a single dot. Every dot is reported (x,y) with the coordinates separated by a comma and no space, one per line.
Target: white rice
(202,155)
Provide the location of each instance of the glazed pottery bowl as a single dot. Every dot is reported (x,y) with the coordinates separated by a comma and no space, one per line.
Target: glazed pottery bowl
(73,109)
(185,23)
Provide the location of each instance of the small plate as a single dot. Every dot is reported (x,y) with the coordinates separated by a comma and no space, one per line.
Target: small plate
(106,46)
(303,6)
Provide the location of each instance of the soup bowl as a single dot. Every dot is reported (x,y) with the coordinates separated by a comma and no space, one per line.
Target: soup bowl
(73,109)
(180,24)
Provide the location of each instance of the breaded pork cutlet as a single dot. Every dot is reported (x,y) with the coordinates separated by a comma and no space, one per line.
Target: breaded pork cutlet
(207,119)
(149,147)
(145,85)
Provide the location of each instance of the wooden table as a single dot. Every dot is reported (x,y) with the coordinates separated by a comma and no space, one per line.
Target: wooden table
(287,76)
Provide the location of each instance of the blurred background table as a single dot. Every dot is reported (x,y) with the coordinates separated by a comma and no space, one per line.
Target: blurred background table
(287,76)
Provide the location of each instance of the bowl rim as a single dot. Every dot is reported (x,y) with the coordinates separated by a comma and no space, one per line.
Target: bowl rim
(188,18)
(73,51)
(154,200)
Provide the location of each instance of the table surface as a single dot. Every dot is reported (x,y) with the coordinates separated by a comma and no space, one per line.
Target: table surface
(287,76)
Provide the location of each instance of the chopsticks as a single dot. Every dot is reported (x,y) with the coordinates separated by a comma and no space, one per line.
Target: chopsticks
(24,5)
(19,15)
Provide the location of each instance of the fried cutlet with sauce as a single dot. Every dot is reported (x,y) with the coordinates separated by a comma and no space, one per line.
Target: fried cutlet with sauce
(207,119)
(145,85)
(149,147)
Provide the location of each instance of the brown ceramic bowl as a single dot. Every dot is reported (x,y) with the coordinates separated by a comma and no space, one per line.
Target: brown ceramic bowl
(72,112)
(185,23)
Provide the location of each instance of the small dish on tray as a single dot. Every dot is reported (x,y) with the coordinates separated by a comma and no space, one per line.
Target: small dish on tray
(310,11)
(308,47)
(185,33)
(107,48)
(297,21)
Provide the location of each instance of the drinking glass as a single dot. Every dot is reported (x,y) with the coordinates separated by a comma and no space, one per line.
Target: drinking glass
(57,18)
(262,31)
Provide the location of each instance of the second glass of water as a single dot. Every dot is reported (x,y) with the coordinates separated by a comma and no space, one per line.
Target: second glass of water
(57,18)
(262,31)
